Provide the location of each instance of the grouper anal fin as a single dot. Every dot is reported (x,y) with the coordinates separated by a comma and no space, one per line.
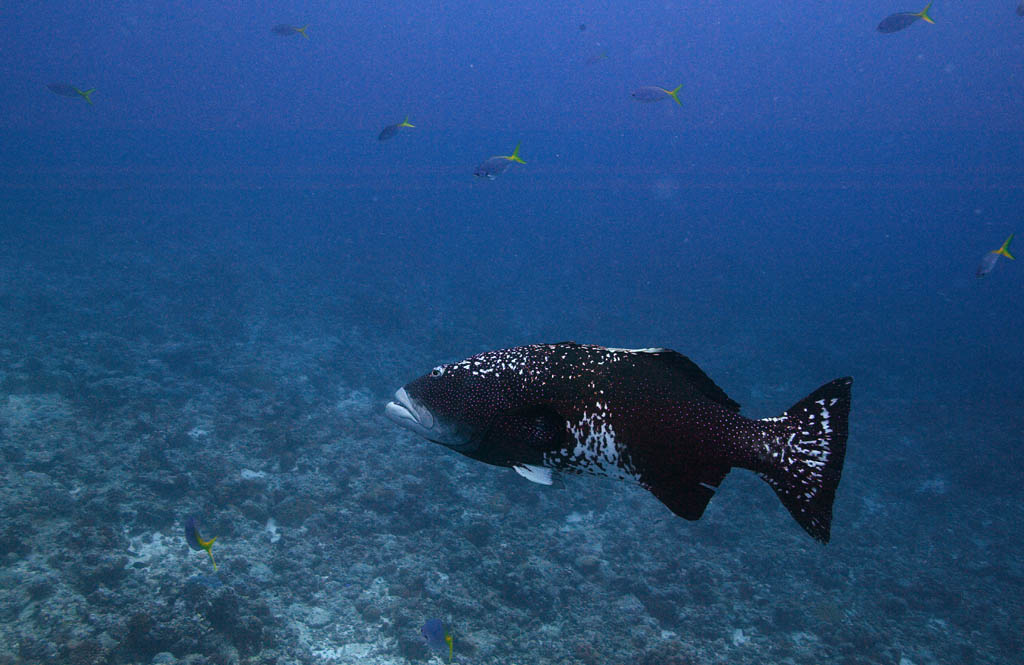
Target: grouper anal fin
(687,497)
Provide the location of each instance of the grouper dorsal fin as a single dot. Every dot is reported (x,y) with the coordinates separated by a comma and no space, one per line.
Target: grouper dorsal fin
(696,376)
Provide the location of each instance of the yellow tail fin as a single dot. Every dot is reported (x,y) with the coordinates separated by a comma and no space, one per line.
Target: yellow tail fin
(208,546)
(924,14)
(514,157)
(1005,249)
(302,30)
(675,93)
(86,93)
(405,123)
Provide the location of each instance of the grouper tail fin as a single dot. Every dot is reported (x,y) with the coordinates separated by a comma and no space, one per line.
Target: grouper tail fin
(806,459)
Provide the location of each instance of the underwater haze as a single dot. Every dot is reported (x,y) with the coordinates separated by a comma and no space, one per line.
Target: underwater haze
(223,249)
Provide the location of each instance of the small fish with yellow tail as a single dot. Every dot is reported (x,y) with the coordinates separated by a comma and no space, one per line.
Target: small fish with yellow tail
(897,22)
(652,93)
(988,262)
(196,542)
(437,637)
(392,130)
(495,166)
(68,90)
(285,30)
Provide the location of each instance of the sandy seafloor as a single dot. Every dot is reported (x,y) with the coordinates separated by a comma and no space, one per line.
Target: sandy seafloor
(147,376)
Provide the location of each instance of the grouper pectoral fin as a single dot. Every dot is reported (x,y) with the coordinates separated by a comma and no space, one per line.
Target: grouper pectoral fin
(536,474)
(689,495)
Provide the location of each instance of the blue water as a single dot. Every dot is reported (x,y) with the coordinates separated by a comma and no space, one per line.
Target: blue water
(214,277)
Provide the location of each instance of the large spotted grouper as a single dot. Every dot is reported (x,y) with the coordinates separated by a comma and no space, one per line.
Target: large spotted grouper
(647,415)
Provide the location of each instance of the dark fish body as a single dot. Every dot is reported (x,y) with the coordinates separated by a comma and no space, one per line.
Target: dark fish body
(902,20)
(392,130)
(647,415)
(650,93)
(987,263)
(1020,8)
(492,168)
(68,90)
(63,89)
(285,30)
(434,633)
(497,165)
(192,534)
(897,22)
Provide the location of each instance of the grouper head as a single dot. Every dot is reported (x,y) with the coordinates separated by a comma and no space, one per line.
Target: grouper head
(463,404)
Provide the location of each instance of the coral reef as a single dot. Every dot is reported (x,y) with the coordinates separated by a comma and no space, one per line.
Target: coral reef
(134,394)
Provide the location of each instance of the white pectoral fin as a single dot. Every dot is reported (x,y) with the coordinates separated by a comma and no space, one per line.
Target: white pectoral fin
(536,474)
(539,474)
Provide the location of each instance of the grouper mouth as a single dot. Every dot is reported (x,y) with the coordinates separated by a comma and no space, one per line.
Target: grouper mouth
(410,415)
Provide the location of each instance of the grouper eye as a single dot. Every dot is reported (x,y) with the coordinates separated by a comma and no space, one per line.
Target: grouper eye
(437,371)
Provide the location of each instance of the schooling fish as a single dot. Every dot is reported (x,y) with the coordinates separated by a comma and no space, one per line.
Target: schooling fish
(647,415)
(196,542)
(392,130)
(652,93)
(897,22)
(286,30)
(988,262)
(68,90)
(495,166)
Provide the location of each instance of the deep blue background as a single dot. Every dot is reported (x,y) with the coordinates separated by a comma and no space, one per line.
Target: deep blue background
(514,67)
